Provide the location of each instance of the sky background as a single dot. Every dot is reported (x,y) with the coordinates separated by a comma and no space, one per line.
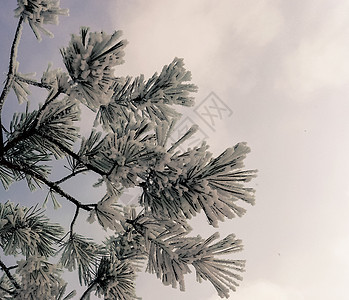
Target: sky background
(280,69)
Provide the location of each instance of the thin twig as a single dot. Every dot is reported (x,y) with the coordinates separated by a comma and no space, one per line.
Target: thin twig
(12,267)
(12,64)
(9,275)
(33,82)
(72,154)
(73,221)
(70,176)
(89,289)
(10,76)
(89,206)
(26,170)
(43,107)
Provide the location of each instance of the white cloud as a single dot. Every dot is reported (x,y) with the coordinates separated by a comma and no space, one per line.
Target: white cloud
(214,38)
(255,22)
(321,58)
(341,250)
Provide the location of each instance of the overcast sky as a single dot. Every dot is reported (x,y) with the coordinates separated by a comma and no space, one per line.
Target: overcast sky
(279,71)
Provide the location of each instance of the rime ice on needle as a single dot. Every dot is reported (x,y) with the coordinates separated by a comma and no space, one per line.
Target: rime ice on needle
(39,12)
(56,79)
(40,278)
(21,88)
(89,61)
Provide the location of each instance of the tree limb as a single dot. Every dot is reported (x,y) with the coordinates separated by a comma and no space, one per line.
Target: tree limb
(52,185)
(70,176)
(12,64)
(9,275)
(32,130)
(12,267)
(33,82)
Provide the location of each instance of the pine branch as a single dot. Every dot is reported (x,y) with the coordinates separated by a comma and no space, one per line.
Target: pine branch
(9,275)
(170,252)
(152,98)
(32,129)
(137,119)
(85,60)
(83,254)
(192,182)
(116,279)
(20,88)
(41,279)
(134,250)
(27,231)
(10,76)
(162,237)
(38,13)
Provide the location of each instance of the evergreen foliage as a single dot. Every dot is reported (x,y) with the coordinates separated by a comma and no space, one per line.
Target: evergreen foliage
(128,147)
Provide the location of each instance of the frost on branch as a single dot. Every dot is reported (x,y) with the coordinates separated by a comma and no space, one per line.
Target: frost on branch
(56,79)
(27,231)
(128,246)
(108,214)
(20,87)
(40,12)
(222,273)
(152,97)
(40,279)
(116,279)
(82,254)
(6,288)
(33,134)
(126,152)
(57,122)
(170,252)
(89,59)
(192,181)
(131,150)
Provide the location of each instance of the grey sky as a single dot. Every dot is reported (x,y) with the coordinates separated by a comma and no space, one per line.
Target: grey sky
(282,68)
